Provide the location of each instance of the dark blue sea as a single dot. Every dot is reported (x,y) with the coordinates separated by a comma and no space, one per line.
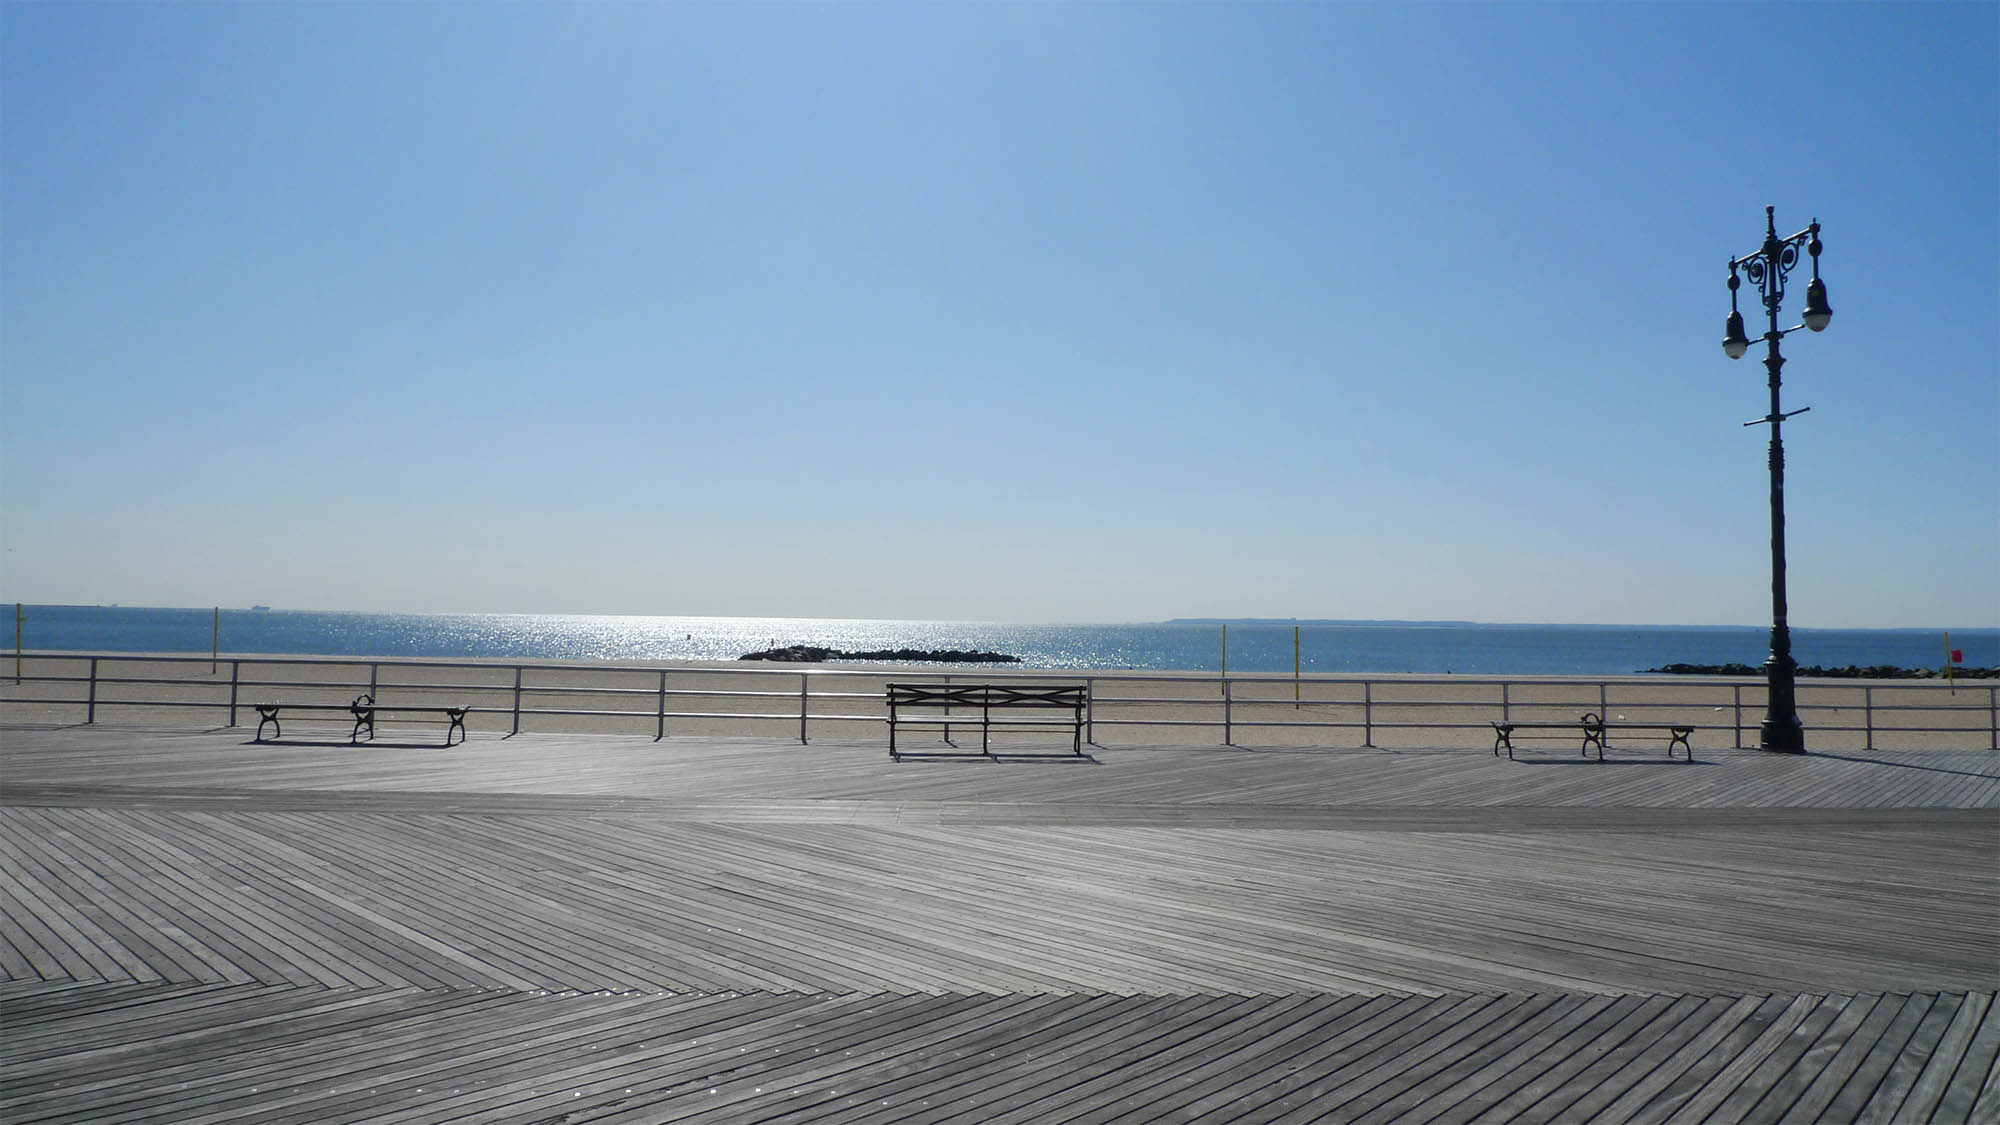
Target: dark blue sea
(1457,648)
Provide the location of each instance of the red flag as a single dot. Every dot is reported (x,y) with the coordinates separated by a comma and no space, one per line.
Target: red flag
(1958,656)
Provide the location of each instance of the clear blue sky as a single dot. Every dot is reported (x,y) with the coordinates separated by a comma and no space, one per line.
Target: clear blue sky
(1022,312)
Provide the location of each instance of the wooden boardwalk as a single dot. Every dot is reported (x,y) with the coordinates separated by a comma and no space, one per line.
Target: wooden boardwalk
(589,928)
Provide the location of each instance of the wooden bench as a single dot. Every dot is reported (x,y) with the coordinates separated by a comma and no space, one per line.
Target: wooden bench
(364,709)
(1594,730)
(986,699)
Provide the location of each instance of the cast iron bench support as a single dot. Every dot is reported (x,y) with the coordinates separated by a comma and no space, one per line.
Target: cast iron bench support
(986,699)
(363,709)
(1594,728)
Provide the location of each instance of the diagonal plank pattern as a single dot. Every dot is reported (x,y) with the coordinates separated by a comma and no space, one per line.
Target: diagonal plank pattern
(240,1052)
(624,901)
(198,930)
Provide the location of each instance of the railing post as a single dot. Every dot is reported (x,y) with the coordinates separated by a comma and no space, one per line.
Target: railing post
(1603,703)
(1739,715)
(517,702)
(1506,703)
(1993,714)
(1228,733)
(947,715)
(374,677)
(90,709)
(1868,709)
(804,679)
(662,732)
(1367,715)
(235,677)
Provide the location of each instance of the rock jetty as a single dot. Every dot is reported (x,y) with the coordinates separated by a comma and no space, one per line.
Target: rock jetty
(813,654)
(1819,672)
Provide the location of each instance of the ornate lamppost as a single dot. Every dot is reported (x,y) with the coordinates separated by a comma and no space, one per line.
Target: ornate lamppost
(1766,267)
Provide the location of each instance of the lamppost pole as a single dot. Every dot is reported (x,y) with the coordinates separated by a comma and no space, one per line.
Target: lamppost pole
(1766,268)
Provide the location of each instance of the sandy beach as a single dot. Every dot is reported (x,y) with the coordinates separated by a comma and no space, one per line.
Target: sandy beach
(845,701)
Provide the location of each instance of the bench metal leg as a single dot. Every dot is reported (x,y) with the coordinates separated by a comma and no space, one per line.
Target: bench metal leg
(1680,739)
(1503,736)
(457,717)
(270,717)
(1593,734)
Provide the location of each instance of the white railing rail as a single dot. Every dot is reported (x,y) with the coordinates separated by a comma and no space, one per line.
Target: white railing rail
(510,694)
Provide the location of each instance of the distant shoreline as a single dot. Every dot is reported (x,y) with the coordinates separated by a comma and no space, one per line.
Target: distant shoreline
(1397,623)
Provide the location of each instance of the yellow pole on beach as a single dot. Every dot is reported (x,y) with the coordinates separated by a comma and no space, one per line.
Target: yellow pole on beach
(215,641)
(1225,660)
(1295,668)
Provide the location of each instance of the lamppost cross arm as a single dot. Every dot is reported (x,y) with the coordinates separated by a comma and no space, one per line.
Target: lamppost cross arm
(1769,418)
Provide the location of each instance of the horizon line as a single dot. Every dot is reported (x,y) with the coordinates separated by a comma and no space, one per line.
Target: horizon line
(1360,622)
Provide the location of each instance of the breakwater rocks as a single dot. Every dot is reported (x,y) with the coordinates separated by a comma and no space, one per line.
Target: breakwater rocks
(1815,671)
(812,654)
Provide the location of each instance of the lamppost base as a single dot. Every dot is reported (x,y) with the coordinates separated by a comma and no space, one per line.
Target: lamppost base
(1781,736)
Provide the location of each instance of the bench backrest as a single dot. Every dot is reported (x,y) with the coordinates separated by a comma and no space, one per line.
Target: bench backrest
(987,695)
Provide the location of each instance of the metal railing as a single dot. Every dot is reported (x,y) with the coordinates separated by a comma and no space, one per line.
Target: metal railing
(1313,710)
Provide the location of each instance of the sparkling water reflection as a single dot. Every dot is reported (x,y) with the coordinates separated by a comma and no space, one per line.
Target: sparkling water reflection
(1263,647)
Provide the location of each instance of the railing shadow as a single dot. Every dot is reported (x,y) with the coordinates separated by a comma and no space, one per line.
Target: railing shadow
(1902,765)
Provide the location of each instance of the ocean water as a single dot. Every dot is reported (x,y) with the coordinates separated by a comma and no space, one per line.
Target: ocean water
(1462,649)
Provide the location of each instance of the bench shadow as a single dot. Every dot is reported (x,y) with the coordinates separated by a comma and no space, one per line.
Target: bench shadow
(1900,765)
(1676,762)
(998,757)
(343,744)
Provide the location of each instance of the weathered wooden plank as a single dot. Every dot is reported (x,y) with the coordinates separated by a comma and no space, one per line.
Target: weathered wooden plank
(1417,1073)
(550,1073)
(1974,1092)
(1877,1013)
(1859,1090)
(1235,1060)
(1288,1056)
(1895,1086)
(1135,1048)
(1765,1094)
(1694,1061)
